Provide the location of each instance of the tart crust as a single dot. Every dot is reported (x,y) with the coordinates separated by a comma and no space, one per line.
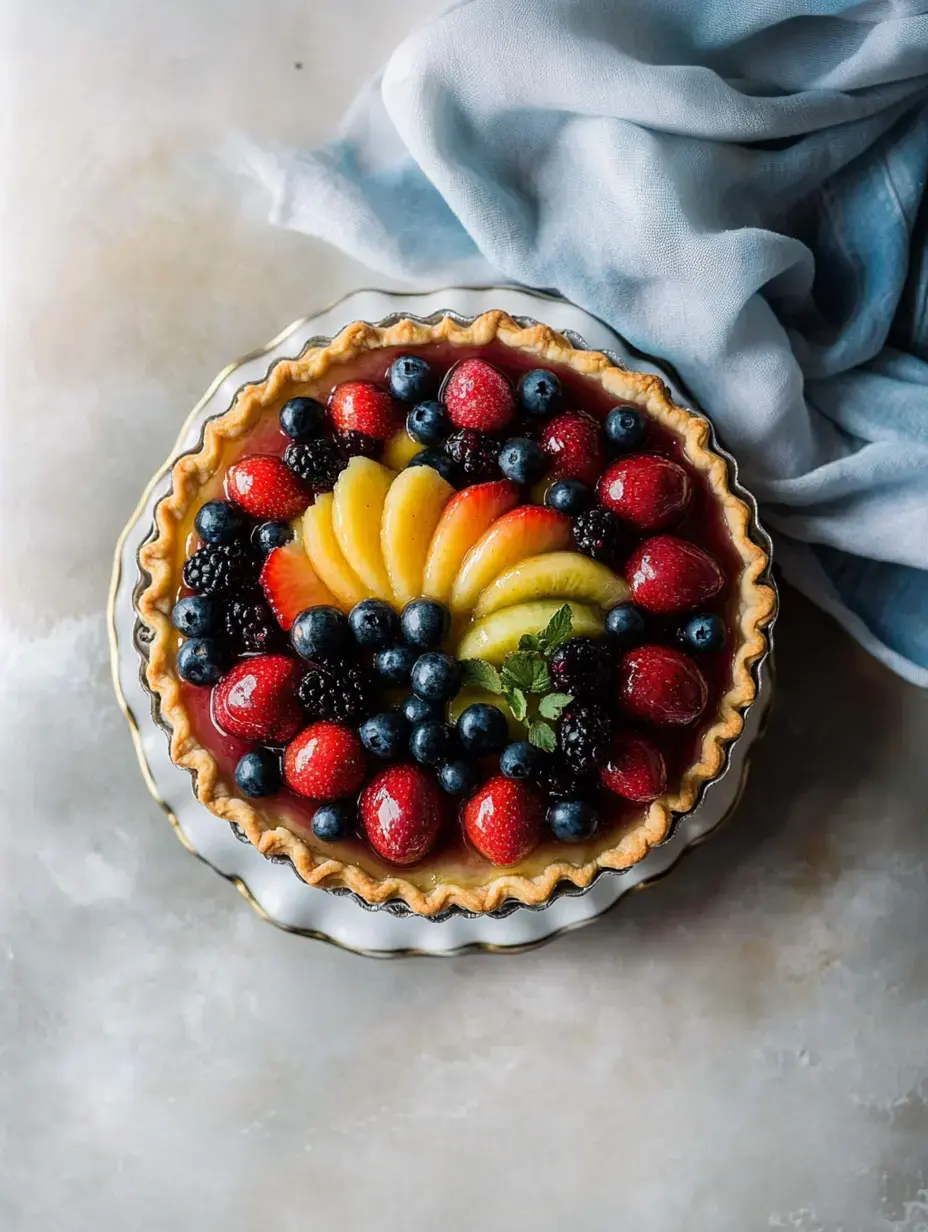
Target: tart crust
(192,472)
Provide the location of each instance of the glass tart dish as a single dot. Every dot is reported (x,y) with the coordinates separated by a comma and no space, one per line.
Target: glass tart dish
(451,612)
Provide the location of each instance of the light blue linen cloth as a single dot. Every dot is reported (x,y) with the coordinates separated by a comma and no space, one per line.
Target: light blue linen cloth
(738,186)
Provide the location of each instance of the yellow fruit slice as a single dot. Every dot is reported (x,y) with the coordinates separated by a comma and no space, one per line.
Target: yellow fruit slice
(465,518)
(565,575)
(326,556)
(526,531)
(498,634)
(357,514)
(400,450)
(410,514)
(470,697)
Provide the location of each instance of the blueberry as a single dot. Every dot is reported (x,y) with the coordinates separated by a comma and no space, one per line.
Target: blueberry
(320,633)
(431,743)
(572,821)
(333,823)
(521,760)
(416,710)
(437,461)
(196,616)
(271,535)
(568,496)
(218,521)
(625,428)
(258,773)
(411,379)
(625,626)
(704,632)
(428,423)
(201,660)
(374,624)
(394,664)
(436,676)
(540,393)
(482,729)
(302,418)
(385,735)
(424,623)
(457,777)
(522,460)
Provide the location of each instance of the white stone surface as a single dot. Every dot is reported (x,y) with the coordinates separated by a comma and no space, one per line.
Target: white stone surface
(742,1048)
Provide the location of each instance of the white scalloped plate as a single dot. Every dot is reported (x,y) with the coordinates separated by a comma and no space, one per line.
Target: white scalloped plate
(273,889)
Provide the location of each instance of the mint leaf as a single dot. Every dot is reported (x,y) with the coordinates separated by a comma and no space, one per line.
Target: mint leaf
(529,641)
(518,671)
(541,677)
(550,707)
(541,734)
(518,704)
(558,628)
(482,675)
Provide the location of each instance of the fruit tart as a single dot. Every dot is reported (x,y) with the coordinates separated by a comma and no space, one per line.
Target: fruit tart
(453,613)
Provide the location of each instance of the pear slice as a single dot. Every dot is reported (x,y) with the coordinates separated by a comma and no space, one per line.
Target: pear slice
(498,634)
(554,575)
(357,514)
(411,512)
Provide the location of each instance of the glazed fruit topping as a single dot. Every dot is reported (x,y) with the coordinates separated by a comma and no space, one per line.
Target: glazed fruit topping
(428,423)
(669,575)
(266,489)
(568,496)
(257,700)
(477,395)
(316,463)
(302,418)
(338,689)
(218,521)
(540,393)
(572,821)
(647,491)
(291,585)
(583,665)
(359,406)
(325,761)
(321,633)
(662,686)
(583,734)
(625,428)
(386,735)
(411,378)
(474,454)
(219,569)
(335,822)
(250,624)
(258,773)
(503,820)
(599,534)
(401,813)
(201,660)
(704,633)
(573,442)
(635,768)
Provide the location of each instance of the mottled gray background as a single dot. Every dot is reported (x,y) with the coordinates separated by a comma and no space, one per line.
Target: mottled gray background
(742,1048)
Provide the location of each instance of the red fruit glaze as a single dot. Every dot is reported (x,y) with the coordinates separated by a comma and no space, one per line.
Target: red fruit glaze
(257,699)
(645,490)
(662,686)
(401,814)
(325,761)
(503,820)
(670,575)
(290,584)
(265,488)
(359,406)
(636,769)
(574,443)
(477,395)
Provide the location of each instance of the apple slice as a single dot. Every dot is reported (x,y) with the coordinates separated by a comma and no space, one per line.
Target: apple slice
(498,634)
(291,585)
(325,555)
(526,531)
(357,514)
(565,575)
(465,518)
(400,450)
(410,514)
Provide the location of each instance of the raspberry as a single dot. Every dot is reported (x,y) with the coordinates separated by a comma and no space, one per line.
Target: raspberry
(219,568)
(584,734)
(337,690)
(318,463)
(250,622)
(475,454)
(599,533)
(582,665)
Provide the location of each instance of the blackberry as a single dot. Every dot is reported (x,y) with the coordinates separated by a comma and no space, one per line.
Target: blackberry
(599,533)
(581,666)
(318,463)
(560,782)
(250,623)
(475,454)
(338,690)
(358,445)
(219,568)
(584,734)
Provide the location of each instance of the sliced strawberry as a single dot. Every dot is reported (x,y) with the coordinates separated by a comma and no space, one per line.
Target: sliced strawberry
(265,488)
(401,813)
(359,406)
(257,699)
(635,769)
(291,585)
(325,761)
(503,820)
(574,443)
(662,686)
(477,395)
(646,491)
(669,575)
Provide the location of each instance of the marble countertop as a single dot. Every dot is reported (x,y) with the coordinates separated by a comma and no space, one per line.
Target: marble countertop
(743,1047)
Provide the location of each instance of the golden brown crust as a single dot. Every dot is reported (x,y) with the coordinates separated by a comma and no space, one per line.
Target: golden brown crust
(192,472)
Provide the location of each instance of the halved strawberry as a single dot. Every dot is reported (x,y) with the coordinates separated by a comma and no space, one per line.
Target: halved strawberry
(265,488)
(359,406)
(291,585)
(478,396)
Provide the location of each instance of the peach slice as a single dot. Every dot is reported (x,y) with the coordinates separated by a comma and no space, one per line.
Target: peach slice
(357,514)
(326,556)
(553,575)
(400,450)
(465,518)
(411,511)
(498,634)
(527,531)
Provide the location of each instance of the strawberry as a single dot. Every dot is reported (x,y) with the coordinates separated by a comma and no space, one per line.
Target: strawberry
(662,686)
(503,820)
(478,396)
(670,575)
(359,406)
(290,584)
(265,488)
(257,699)
(574,443)
(401,813)
(635,768)
(646,490)
(325,761)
